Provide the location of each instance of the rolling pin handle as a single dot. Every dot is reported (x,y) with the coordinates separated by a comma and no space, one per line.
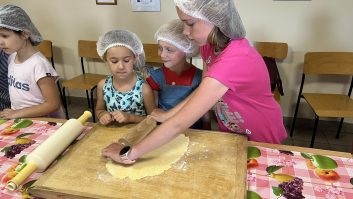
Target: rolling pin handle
(11,186)
(21,176)
(84,117)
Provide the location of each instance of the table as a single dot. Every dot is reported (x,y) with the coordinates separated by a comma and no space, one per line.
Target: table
(81,172)
(25,134)
(204,173)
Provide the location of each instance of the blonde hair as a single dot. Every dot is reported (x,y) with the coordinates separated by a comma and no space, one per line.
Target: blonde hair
(218,40)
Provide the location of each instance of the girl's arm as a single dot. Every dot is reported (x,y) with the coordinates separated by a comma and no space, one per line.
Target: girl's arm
(203,98)
(162,116)
(156,95)
(51,101)
(102,114)
(148,98)
(206,119)
(148,101)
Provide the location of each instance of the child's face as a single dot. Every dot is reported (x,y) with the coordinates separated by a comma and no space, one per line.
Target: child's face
(10,41)
(120,61)
(170,55)
(197,30)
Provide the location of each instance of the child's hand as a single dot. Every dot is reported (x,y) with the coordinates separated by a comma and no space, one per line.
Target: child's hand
(106,118)
(112,151)
(159,115)
(8,113)
(121,117)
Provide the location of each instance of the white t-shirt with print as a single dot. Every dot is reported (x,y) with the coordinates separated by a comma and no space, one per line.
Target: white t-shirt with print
(23,88)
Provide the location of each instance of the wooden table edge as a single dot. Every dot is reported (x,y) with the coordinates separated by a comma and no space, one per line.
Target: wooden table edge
(301,149)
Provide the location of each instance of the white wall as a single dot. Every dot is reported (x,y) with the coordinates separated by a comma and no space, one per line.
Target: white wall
(318,25)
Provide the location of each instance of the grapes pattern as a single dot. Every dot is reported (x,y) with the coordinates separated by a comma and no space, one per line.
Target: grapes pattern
(15,149)
(52,123)
(286,152)
(292,189)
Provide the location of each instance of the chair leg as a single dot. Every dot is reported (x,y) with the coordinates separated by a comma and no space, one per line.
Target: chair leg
(339,128)
(88,100)
(295,117)
(65,104)
(314,131)
(92,107)
(60,91)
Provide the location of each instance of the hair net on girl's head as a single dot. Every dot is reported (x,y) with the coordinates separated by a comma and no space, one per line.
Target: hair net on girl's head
(221,13)
(15,18)
(172,33)
(123,38)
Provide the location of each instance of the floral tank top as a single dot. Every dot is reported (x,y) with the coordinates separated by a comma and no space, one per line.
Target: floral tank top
(128,102)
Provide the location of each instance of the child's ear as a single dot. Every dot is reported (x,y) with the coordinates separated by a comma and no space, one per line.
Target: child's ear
(136,57)
(26,34)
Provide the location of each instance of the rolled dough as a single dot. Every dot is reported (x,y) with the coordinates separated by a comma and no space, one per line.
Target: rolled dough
(153,163)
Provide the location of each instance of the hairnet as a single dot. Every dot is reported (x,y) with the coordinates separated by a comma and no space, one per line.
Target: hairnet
(172,33)
(221,13)
(15,18)
(123,38)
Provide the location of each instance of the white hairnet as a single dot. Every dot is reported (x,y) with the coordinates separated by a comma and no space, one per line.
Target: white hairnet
(172,33)
(122,38)
(15,18)
(221,13)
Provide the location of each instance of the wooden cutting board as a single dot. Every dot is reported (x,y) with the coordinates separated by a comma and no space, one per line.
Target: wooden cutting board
(214,167)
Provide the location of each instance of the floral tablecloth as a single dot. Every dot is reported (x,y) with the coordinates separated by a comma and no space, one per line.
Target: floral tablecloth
(17,139)
(289,174)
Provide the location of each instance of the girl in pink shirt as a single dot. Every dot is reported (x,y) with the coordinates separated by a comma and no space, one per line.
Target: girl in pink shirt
(236,83)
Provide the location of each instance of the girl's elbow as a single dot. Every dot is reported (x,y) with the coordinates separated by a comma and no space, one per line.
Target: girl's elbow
(54,106)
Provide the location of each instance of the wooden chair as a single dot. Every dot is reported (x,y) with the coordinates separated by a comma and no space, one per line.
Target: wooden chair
(327,104)
(86,81)
(275,50)
(46,48)
(151,53)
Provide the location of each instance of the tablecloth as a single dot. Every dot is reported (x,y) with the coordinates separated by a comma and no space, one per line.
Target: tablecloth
(270,171)
(17,139)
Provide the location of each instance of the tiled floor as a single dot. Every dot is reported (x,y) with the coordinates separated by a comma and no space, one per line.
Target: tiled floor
(325,138)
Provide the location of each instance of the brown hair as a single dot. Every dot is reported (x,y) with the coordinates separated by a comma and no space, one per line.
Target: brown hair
(17,32)
(218,40)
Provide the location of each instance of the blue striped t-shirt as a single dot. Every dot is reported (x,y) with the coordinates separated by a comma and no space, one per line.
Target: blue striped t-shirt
(4,88)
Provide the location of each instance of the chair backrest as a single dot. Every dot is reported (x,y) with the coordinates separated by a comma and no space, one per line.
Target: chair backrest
(151,53)
(88,49)
(46,48)
(325,63)
(275,50)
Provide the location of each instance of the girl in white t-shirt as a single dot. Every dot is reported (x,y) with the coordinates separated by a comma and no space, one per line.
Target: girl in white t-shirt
(31,77)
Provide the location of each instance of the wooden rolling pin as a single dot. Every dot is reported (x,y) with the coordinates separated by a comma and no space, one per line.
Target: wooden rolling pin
(39,159)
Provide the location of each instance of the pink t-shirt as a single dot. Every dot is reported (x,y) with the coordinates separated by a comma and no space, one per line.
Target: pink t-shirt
(248,107)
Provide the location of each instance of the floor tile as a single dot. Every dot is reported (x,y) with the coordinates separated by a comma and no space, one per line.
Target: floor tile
(306,135)
(317,145)
(343,148)
(344,139)
(288,141)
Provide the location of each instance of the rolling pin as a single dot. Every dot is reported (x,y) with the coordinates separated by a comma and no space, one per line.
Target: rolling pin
(39,159)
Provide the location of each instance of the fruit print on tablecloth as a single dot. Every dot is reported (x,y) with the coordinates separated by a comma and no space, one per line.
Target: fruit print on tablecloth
(275,171)
(17,139)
